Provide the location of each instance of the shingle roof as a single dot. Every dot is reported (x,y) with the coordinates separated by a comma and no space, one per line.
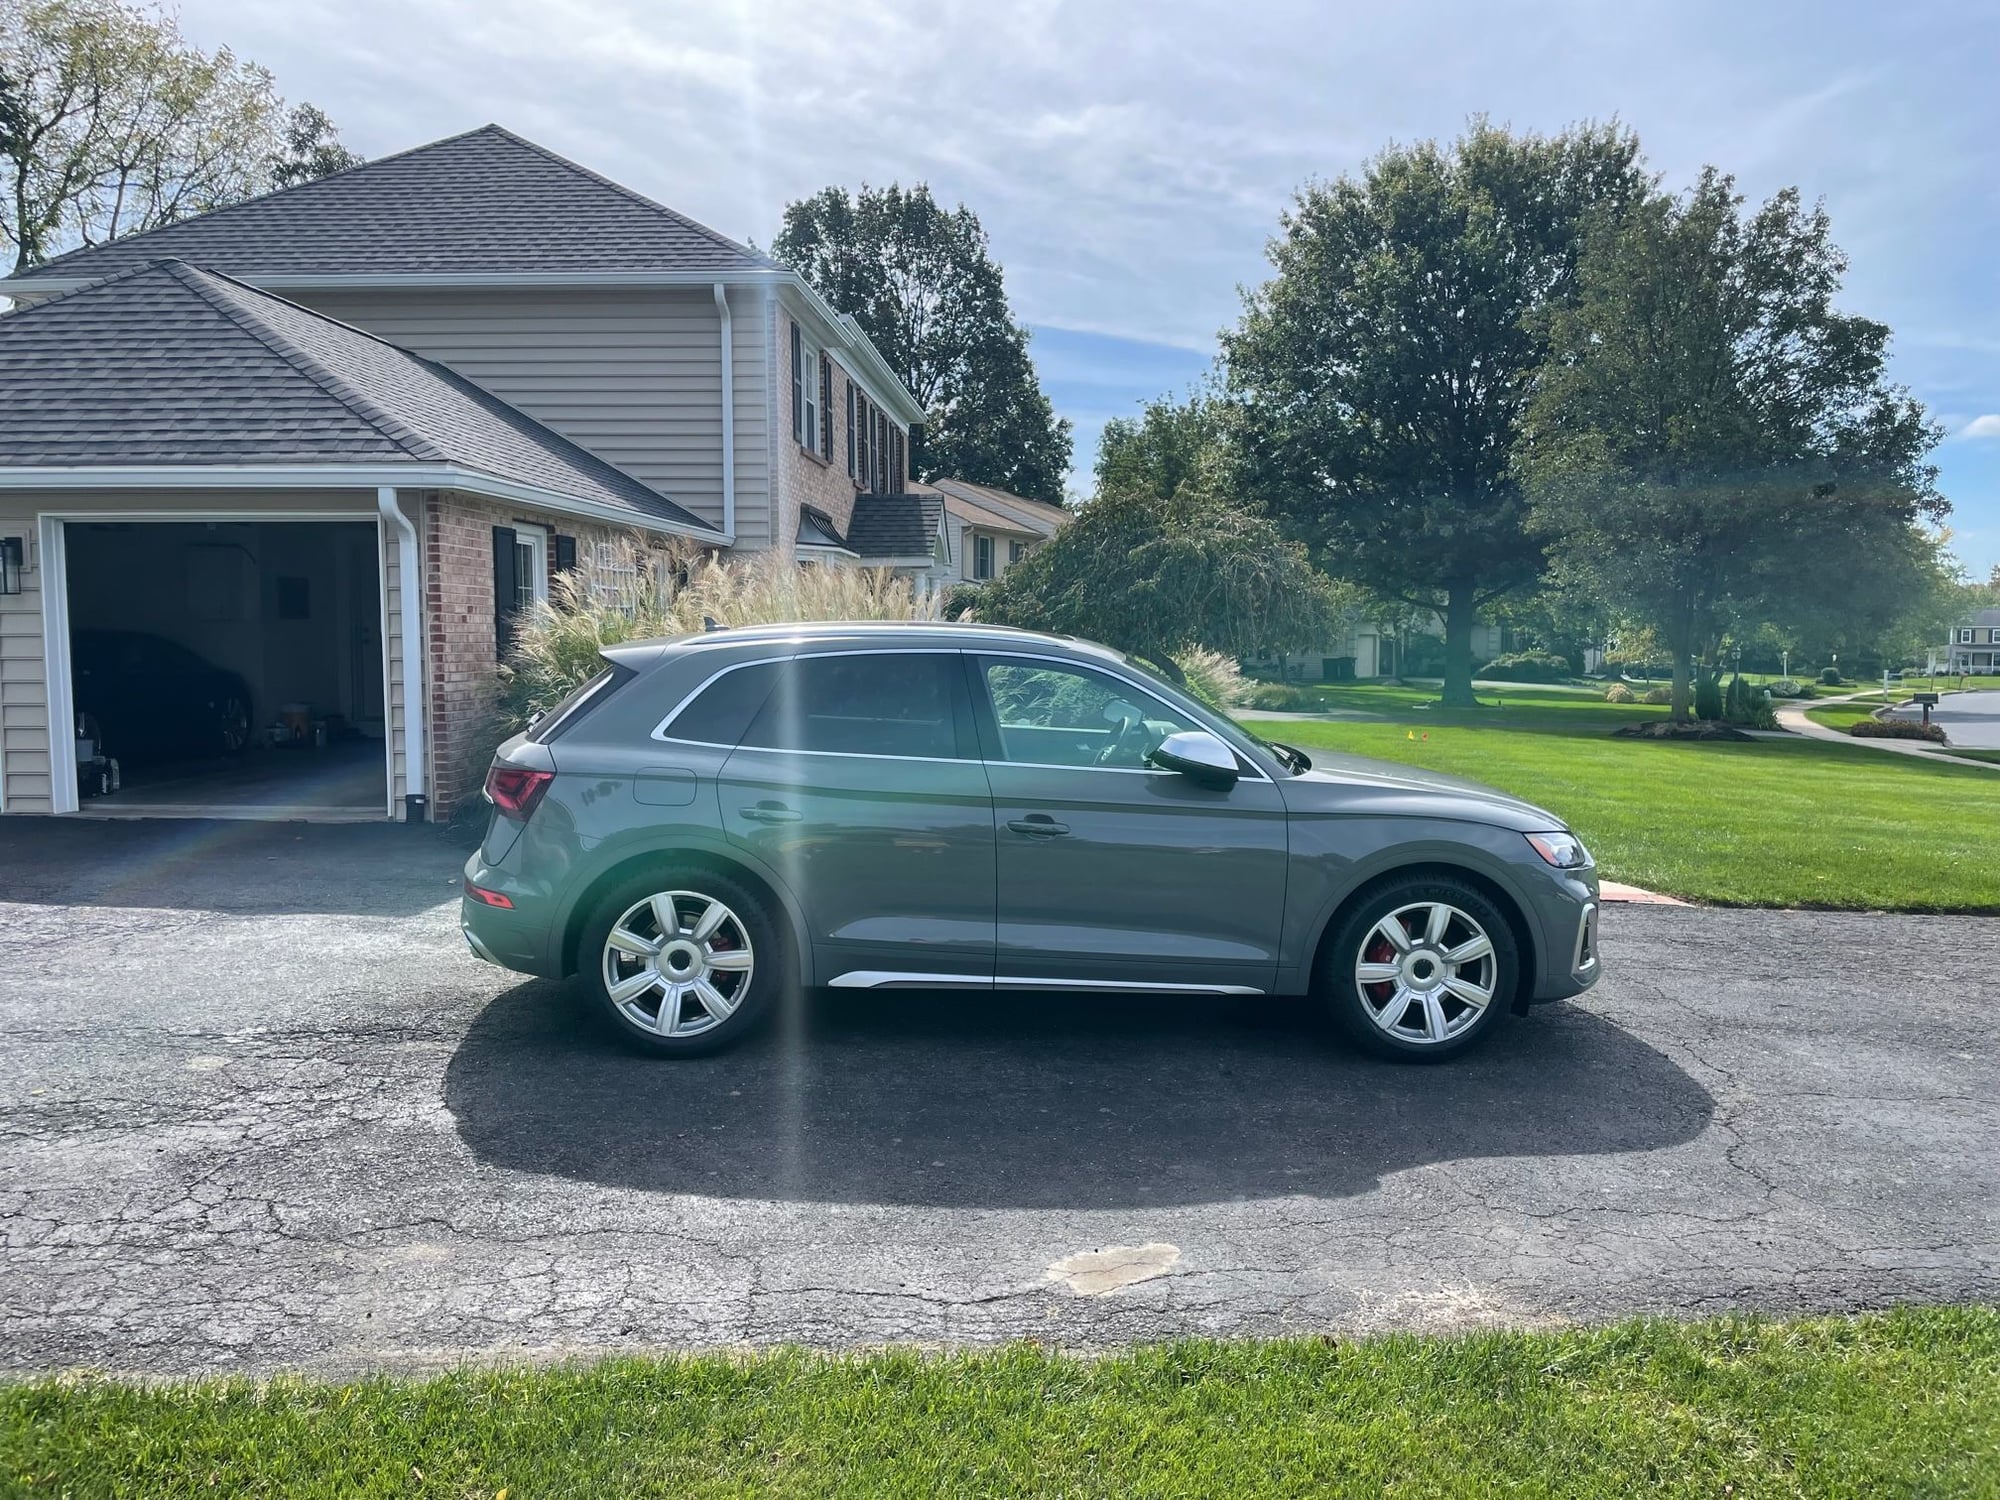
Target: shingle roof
(483,202)
(817,529)
(170,365)
(1036,516)
(894,525)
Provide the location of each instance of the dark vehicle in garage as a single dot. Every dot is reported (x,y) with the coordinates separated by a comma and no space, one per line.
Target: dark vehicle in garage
(154,700)
(717,818)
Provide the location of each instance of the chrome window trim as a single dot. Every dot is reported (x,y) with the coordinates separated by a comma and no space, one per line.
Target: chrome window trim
(660,730)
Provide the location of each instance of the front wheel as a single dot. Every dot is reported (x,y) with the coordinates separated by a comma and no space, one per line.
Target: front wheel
(1421,968)
(686,962)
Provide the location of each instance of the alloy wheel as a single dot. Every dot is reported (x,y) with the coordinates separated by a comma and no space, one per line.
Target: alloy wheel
(678,963)
(1426,973)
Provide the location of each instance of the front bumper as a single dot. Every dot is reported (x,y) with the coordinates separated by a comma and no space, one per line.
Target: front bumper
(1570,962)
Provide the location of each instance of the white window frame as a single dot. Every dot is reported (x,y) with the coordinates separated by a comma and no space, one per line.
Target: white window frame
(1965,636)
(805,392)
(982,557)
(536,542)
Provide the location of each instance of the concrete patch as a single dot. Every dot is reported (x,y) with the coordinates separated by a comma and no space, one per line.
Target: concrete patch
(1611,890)
(1094,1273)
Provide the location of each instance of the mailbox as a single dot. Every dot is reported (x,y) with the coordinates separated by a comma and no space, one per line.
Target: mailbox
(1928,700)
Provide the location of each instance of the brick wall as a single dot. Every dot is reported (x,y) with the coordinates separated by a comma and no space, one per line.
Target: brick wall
(804,478)
(463,658)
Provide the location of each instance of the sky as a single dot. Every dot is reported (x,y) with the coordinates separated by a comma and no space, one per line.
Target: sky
(1131,160)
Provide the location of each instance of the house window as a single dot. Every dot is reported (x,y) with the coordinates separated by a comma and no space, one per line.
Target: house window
(1965,637)
(853,457)
(520,577)
(1015,552)
(982,557)
(806,366)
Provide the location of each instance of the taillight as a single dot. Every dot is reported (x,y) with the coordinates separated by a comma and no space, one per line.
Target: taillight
(491,898)
(515,791)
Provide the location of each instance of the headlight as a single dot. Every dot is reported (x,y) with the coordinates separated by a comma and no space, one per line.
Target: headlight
(1563,850)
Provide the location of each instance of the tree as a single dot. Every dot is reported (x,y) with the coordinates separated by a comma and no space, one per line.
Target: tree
(922,285)
(1383,371)
(312,149)
(1711,441)
(1156,574)
(1167,446)
(111,123)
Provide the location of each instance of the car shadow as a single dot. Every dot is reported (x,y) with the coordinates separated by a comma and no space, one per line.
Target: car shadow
(233,865)
(1041,1101)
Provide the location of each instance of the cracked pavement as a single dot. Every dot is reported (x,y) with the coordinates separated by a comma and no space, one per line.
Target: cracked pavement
(260,1109)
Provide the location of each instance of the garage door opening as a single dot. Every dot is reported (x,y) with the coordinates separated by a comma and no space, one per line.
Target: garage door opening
(227,668)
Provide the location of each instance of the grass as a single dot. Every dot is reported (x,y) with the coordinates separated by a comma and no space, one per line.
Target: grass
(1785,822)
(1905,1403)
(1843,715)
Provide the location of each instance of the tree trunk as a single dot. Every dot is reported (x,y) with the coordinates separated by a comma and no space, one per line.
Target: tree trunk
(1459,616)
(1683,678)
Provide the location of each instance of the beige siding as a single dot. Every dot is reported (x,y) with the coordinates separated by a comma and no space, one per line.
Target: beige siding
(25,785)
(634,376)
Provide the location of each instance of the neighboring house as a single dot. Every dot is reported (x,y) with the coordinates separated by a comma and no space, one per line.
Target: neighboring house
(989,530)
(1367,652)
(335,438)
(1975,644)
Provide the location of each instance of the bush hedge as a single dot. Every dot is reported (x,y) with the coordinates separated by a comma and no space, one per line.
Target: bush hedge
(1619,693)
(1278,695)
(1896,729)
(1526,666)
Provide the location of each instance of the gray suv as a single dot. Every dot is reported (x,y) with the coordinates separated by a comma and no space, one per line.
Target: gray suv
(717,819)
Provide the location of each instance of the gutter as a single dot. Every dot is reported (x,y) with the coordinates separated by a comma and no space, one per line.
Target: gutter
(410,582)
(728,415)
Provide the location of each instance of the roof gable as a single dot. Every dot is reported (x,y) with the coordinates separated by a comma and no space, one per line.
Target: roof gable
(484,203)
(169,365)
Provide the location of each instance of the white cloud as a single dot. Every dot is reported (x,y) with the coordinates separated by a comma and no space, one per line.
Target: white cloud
(1987,426)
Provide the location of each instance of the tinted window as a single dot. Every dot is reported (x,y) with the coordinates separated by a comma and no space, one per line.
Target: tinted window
(566,714)
(1071,716)
(726,706)
(881,704)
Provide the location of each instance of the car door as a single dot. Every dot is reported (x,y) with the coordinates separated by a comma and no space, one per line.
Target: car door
(859,782)
(1111,873)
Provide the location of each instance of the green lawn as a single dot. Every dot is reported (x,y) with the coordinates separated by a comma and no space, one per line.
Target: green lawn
(1791,822)
(1904,1403)
(1841,715)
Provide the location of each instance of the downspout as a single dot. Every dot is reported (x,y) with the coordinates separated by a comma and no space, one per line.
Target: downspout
(728,416)
(410,577)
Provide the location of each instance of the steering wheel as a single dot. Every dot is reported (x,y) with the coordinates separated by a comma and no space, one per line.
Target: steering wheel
(1128,729)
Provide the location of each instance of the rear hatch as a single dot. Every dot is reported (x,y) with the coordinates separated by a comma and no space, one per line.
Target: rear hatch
(524,766)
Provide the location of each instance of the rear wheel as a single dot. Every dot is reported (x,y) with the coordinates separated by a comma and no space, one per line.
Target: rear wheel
(233,724)
(686,962)
(1421,968)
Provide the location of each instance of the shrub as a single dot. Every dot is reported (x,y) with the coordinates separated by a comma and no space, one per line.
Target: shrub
(1212,677)
(1619,693)
(1707,696)
(1830,676)
(1278,695)
(1526,666)
(1786,687)
(1662,694)
(646,592)
(1896,729)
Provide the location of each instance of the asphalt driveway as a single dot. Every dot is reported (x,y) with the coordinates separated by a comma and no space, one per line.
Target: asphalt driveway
(258,1108)
(1970,719)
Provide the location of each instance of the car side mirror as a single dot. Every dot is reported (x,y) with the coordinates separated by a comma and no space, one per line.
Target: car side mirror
(1197,755)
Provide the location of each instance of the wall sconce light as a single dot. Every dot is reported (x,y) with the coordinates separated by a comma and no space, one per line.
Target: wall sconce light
(12,550)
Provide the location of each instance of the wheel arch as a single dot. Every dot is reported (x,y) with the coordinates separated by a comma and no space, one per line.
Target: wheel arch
(1510,905)
(727,862)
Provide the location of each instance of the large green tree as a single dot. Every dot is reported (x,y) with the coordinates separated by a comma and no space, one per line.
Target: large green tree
(922,283)
(1382,372)
(112,123)
(1713,441)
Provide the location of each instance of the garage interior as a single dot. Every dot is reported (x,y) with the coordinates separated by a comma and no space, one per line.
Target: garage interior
(228,668)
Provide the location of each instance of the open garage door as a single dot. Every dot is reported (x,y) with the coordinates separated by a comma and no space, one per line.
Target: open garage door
(227,668)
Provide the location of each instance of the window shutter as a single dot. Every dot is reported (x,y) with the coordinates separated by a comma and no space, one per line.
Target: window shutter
(505,582)
(798,386)
(896,462)
(826,408)
(851,454)
(564,554)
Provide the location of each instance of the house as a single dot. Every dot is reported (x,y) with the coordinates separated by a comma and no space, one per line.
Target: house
(333,439)
(987,530)
(1975,644)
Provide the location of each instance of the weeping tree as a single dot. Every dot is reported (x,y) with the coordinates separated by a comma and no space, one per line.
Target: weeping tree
(1714,443)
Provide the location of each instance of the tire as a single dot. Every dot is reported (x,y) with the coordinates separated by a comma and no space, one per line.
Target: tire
(1420,1008)
(232,724)
(744,962)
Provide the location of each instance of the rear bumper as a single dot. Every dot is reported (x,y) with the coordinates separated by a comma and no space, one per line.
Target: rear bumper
(514,938)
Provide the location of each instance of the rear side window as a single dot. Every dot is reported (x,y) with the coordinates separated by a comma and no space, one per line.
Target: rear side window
(723,710)
(874,704)
(568,713)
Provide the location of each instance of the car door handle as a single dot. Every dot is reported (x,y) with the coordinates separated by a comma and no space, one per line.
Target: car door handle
(1040,825)
(770,812)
